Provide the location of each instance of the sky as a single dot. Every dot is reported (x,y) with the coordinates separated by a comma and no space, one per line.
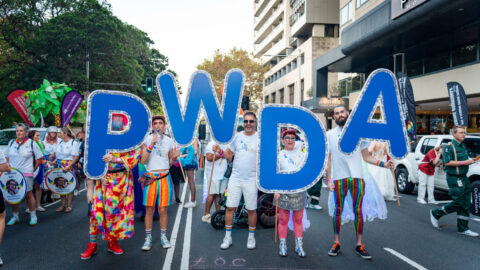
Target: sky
(188,31)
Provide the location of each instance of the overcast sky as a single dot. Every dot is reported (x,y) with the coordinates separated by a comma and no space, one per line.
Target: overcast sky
(188,31)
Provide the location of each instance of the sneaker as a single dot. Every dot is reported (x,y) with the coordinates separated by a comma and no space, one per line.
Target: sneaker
(91,250)
(14,220)
(283,248)
(40,209)
(315,206)
(227,242)
(148,243)
(114,248)
(469,233)
(207,218)
(1,262)
(190,204)
(33,220)
(164,241)
(75,193)
(299,247)
(334,250)
(177,200)
(421,201)
(27,210)
(251,243)
(362,252)
(434,220)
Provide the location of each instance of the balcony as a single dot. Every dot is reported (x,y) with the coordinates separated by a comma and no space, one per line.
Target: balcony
(278,12)
(260,48)
(259,6)
(260,19)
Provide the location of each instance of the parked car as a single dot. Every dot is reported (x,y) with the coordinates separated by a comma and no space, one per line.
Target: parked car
(406,170)
(6,135)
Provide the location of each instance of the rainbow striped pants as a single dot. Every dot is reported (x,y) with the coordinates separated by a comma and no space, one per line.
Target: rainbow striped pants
(356,186)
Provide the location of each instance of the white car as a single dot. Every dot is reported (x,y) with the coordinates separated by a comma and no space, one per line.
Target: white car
(6,135)
(406,170)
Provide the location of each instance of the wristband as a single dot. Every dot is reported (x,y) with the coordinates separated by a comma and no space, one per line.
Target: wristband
(463,163)
(329,180)
(220,152)
(149,149)
(380,163)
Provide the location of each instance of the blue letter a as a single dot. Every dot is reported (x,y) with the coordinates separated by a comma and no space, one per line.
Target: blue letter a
(381,84)
(100,138)
(201,93)
(272,117)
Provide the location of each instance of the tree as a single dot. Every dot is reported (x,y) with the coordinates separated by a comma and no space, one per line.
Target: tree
(54,39)
(220,63)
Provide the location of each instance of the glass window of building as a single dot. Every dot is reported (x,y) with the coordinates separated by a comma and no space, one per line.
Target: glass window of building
(266,100)
(414,68)
(464,54)
(291,91)
(274,100)
(361,2)
(280,94)
(346,13)
(437,62)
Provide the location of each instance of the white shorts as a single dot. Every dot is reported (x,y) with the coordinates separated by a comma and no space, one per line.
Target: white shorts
(238,187)
(29,181)
(218,186)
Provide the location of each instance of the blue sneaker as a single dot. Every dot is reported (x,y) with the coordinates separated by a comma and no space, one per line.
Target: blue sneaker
(14,220)
(33,220)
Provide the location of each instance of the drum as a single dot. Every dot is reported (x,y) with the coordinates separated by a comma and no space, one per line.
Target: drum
(13,185)
(60,182)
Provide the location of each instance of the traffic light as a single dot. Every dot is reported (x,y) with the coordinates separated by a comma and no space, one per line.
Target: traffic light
(245,103)
(149,88)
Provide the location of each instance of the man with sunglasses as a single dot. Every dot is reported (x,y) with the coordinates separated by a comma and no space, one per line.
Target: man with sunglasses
(242,181)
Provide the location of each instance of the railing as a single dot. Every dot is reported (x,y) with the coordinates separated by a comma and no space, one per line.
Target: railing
(267,23)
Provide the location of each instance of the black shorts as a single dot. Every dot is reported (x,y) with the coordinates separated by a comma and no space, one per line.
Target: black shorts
(2,203)
(176,175)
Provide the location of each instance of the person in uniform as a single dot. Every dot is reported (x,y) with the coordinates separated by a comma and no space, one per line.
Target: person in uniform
(455,165)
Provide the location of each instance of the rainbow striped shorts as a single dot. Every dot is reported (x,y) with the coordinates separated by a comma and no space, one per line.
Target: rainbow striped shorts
(160,191)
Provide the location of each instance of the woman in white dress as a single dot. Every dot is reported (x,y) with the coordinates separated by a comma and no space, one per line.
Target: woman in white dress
(382,177)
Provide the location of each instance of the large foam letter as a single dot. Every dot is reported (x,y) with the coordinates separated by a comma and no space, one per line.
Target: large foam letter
(380,86)
(222,121)
(100,139)
(272,117)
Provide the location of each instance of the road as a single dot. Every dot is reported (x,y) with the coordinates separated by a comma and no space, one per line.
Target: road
(406,240)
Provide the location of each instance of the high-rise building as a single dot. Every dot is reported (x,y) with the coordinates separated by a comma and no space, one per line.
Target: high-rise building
(288,35)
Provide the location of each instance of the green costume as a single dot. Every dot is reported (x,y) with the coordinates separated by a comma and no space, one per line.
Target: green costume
(458,184)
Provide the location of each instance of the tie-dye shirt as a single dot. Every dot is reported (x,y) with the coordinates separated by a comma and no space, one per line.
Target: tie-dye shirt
(290,161)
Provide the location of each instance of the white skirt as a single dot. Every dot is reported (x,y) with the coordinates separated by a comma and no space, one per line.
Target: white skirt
(373,203)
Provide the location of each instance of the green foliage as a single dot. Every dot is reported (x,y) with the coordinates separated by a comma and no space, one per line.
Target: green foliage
(54,39)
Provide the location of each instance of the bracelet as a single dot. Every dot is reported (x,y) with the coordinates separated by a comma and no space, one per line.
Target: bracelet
(380,163)
(149,149)
(463,163)
(220,153)
(329,180)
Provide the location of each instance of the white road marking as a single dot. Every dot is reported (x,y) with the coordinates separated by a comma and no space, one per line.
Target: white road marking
(405,259)
(168,259)
(476,219)
(441,202)
(186,242)
(55,202)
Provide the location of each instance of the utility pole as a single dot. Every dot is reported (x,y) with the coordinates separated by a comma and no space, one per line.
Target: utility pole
(88,70)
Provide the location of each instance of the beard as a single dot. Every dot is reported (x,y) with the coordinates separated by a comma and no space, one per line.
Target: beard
(341,123)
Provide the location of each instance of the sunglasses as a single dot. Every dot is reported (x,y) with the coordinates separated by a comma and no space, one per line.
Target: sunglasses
(248,121)
(290,138)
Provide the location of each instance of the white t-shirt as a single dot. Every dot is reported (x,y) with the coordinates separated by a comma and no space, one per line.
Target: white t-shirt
(67,150)
(245,161)
(21,157)
(2,158)
(158,159)
(290,161)
(220,164)
(50,148)
(344,166)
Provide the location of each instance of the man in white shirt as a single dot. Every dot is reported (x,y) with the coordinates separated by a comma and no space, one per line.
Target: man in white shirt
(347,177)
(216,183)
(243,178)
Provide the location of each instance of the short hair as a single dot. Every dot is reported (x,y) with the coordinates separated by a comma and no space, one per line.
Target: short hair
(157,117)
(250,113)
(31,133)
(22,125)
(67,131)
(456,127)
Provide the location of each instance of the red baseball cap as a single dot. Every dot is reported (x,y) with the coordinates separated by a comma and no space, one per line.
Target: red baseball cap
(286,131)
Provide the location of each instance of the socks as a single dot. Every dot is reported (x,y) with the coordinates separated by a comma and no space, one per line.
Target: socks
(163,231)
(33,213)
(251,231)
(93,238)
(228,230)
(148,233)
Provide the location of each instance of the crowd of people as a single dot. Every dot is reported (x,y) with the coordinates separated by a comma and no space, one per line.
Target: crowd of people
(359,183)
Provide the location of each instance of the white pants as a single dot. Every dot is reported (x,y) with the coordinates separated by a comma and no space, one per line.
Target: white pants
(425,182)
(238,187)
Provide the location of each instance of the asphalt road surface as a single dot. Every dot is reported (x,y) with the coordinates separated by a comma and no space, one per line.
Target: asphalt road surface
(406,240)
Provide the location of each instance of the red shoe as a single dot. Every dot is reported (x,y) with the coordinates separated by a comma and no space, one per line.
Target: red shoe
(91,250)
(114,247)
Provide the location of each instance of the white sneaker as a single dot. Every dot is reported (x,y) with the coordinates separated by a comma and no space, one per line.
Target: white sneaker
(148,243)
(469,233)
(190,204)
(433,220)
(251,243)
(207,218)
(227,242)
(421,201)
(164,241)
(1,262)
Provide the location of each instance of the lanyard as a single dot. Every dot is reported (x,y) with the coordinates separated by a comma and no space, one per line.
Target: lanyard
(20,143)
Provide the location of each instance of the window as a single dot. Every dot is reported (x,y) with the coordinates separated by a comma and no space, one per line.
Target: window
(329,30)
(346,13)
(414,68)
(266,100)
(428,145)
(291,91)
(274,100)
(464,54)
(280,94)
(437,62)
(473,147)
(361,2)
